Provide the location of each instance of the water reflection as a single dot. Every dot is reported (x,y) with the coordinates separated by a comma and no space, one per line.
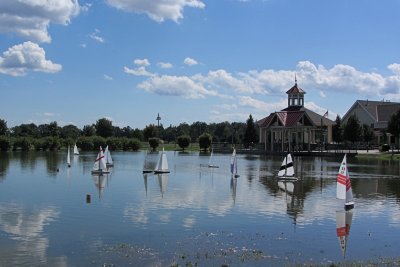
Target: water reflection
(100,181)
(4,164)
(233,189)
(26,227)
(162,182)
(343,223)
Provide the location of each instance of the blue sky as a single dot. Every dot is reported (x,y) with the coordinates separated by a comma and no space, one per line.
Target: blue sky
(75,62)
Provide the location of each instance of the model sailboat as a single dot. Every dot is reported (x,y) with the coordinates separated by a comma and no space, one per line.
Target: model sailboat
(68,158)
(99,166)
(343,223)
(108,158)
(210,162)
(234,164)
(286,171)
(146,168)
(76,151)
(343,185)
(162,164)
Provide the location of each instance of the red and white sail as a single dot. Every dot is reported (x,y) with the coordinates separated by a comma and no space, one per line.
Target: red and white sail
(343,184)
(100,163)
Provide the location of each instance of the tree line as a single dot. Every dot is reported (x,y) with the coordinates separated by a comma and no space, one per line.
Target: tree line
(51,136)
(354,133)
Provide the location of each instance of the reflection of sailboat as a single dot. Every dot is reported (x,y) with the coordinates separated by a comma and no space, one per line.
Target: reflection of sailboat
(343,223)
(286,186)
(162,164)
(162,182)
(210,162)
(234,164)
(76,152)
(343,185)
(145,182)
(99,166)
(108,158)
(68,158)
(286,171)
(100,182)
(146,168)
(233,189)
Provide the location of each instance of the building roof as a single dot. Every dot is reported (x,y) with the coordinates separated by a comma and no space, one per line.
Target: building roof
(285,119)
(295,90)
(379,111)
(315,117)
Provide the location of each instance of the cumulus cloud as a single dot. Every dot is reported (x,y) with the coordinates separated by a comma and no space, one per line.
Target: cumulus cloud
(175,86)
(140,71)
(29,56)
(164,65)
(158,10)
(190,61)
(31,18)
(142,62)
(107,77)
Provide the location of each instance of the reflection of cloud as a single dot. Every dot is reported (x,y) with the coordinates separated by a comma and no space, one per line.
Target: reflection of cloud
(26,227)
(189,222)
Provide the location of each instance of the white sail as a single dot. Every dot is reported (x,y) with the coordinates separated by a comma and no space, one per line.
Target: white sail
(68,157)
(76,152)
(287,168)
(100,163)
(107,155)
(162,164)
(343,185)
(210,162)
(234,164)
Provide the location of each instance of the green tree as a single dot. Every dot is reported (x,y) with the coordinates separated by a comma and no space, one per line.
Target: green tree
(5,143)
(205,141)
(367,134)
(150,131)
(394,125)
(352,130)
(25,130)
(183,141)
(104,128)
(154,142)
(70,131)
(183,129)
(337,130)
(3,127)
(250,135)
(88,130)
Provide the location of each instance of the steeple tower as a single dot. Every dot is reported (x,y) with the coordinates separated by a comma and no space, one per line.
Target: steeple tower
(295,95)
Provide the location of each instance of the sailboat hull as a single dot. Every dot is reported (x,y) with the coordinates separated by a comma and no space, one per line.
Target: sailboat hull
(348,206)
(99,171)
(161,171)
(147,171)
(287,178)
(213,166)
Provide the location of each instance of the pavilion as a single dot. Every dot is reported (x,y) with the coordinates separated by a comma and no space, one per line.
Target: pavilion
(295,128)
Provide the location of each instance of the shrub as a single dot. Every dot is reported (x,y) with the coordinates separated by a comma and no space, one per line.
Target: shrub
(385,148)
(85,143)
(183,141)
(5,143)
(132,144)
(154,142)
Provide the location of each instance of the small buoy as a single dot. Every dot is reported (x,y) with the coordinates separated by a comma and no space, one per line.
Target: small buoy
(58,170)
(88,198)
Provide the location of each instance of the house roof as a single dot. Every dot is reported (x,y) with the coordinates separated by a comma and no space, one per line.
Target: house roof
(295,90)
(378,110)
(285,118)
(315,117)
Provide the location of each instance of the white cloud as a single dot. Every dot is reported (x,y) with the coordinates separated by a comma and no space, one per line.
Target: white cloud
(142,62)
(175,86)
(190,61)
(31,18)
(164,65)
(320,110)
(96,36)
(19,59)
(107,77)
(322,94)
(261,106)
(158,10)
(140,71)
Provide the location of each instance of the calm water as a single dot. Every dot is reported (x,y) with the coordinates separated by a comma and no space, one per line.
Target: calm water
(192,215)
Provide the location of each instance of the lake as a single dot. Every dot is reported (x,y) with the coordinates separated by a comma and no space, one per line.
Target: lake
(194,215)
